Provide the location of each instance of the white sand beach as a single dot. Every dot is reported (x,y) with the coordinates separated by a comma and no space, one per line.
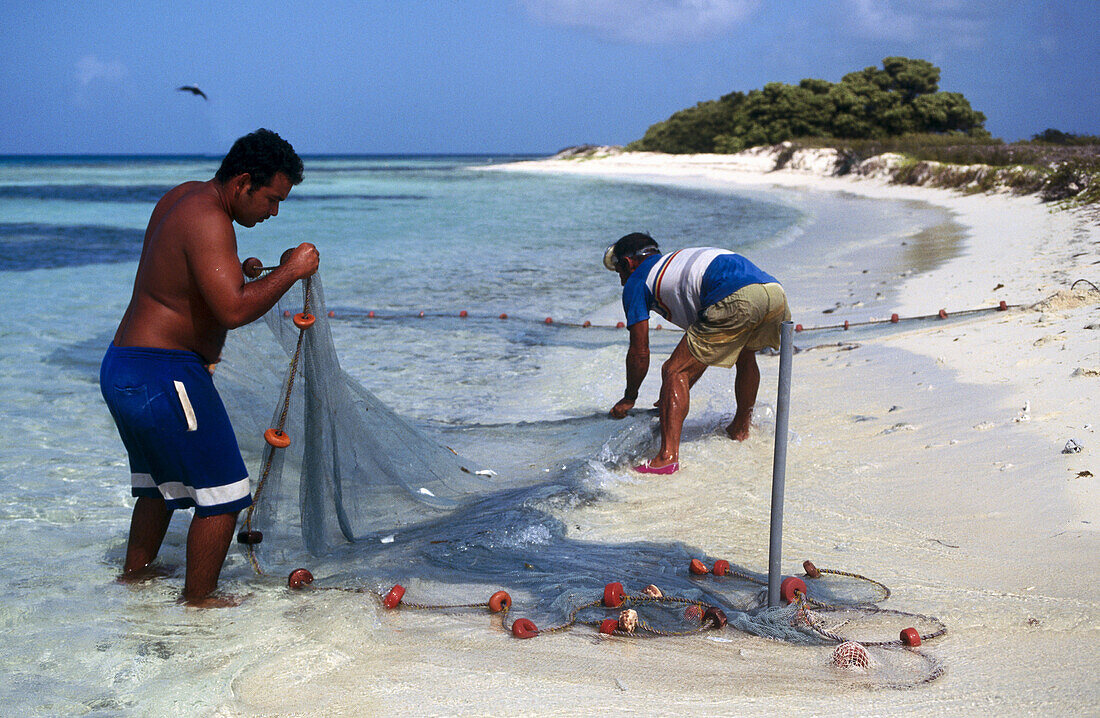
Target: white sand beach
(929,458)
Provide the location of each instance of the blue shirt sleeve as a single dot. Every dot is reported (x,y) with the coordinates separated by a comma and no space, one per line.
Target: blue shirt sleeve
(635,300)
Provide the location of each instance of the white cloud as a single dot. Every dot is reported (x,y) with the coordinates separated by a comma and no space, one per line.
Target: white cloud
(90,67)
(644,21)
(960,23)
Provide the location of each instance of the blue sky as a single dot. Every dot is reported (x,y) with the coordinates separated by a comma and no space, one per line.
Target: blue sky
(500,75)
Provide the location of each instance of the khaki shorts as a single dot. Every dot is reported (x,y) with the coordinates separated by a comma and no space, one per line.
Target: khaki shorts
(747,319)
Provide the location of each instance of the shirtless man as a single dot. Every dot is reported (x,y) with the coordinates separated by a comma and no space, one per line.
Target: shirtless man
(156,376)
(728,307)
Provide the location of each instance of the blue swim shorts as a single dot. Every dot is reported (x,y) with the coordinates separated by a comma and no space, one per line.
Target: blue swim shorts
(175,429)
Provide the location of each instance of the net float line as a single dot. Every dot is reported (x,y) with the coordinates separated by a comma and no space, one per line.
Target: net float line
(275,437)
(353,313)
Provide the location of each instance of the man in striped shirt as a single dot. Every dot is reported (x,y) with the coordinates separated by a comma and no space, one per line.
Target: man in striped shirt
(728,307)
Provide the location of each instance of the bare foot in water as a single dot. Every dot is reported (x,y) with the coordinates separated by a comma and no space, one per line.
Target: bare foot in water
(738,429)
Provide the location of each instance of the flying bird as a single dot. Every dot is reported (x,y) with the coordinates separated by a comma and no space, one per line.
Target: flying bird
(193,90)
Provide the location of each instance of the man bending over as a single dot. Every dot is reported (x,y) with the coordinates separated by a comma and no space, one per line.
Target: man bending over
(156,376)
(729,309)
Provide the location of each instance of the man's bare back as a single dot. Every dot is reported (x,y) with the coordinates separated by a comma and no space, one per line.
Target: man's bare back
(190,289)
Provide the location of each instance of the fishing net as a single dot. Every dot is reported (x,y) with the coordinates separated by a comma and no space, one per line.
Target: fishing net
(371,502)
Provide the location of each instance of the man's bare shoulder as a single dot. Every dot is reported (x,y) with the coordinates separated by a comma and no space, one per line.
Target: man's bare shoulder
(192,208)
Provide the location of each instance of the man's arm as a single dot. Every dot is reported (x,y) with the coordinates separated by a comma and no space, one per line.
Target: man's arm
(637,366)
(213,262)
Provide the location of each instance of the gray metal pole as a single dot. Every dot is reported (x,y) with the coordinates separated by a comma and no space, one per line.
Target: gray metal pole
(779,462)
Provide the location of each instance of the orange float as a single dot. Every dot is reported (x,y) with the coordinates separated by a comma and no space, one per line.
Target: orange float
(910,637)
(586,323)
(393,598)
(500,601)
(613,595)
(331,314)
(721,567)
(299,577)
(791,587)
(697,567)
(304,320)
(277,438)
(524,628)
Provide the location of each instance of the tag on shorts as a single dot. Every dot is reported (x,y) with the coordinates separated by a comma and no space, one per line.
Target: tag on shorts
(188,410)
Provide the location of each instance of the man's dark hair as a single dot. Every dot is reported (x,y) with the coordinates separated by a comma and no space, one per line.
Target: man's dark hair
(261,154)
(632,244)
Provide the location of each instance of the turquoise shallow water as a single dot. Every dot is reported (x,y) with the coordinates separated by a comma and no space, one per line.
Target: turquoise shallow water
(397,235)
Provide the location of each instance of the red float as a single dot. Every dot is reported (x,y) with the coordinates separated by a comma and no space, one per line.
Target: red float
(500,601)
(697,567)
(370,314)
(715,617)
(277,438)
(503,315)
(1002,306)
(421,314)
(943,314)
(910,637)
(586,323)
(549,320)
(791,587)
(304,320)
(620,325)
(894,318)
(331,314)
(286,312)
(299,577)
(609,626)
(659,327)
(613,595)
(810,569)
(393,598)
(693,613)
(721,567)
(250,538)
(523,628)
(798,327)
(252,267)
(463,314)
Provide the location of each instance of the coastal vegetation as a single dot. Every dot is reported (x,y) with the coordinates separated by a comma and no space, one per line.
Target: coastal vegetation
(896,111)
(901,98)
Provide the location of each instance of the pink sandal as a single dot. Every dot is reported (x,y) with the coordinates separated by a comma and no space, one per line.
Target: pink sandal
(663,470)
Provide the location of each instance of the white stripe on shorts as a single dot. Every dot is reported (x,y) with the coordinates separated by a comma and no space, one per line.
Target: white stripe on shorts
(174,490)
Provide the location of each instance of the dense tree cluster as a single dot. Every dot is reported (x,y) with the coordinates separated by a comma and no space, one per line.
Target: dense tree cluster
(900,98)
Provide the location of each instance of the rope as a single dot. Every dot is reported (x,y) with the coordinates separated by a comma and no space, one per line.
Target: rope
(269,452)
